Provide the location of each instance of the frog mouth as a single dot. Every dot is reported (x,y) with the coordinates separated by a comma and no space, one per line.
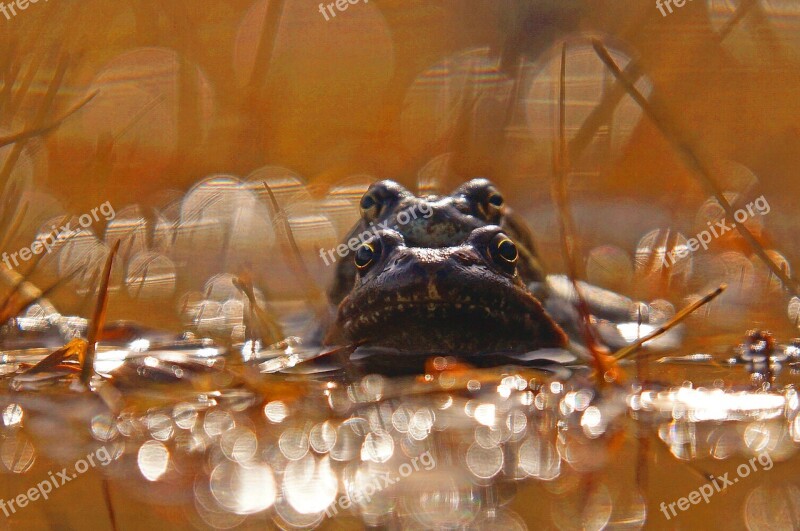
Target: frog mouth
(515,322)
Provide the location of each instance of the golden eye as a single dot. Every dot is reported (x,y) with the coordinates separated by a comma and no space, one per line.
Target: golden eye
(365,256)
(504,253)
(507,251)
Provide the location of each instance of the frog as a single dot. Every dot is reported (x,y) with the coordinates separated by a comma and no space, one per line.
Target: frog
(466,298)
(436,221)
(429,276)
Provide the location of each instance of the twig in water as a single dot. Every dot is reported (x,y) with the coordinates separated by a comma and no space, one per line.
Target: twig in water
(680,316)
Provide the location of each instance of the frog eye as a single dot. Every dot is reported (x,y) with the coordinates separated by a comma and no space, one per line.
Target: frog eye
(366,255)
(495,200)
(491,205)
(379,197)
(370,207)
(504,253)
(485,201)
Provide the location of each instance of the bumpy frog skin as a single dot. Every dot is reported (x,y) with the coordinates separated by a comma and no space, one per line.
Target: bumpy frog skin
(437,222)
(467,298)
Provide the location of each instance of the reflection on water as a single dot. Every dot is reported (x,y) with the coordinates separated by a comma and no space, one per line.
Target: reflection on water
(232,440)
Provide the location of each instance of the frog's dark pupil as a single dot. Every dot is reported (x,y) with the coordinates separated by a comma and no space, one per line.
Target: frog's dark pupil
(507,250)
(367,202)
(496,200)
(364,255)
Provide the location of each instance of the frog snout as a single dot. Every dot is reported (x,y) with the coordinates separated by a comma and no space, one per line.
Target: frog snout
(434,226)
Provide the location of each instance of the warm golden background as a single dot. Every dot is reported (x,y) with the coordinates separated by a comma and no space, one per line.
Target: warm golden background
(199,102)
(240,84)
(189,90)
